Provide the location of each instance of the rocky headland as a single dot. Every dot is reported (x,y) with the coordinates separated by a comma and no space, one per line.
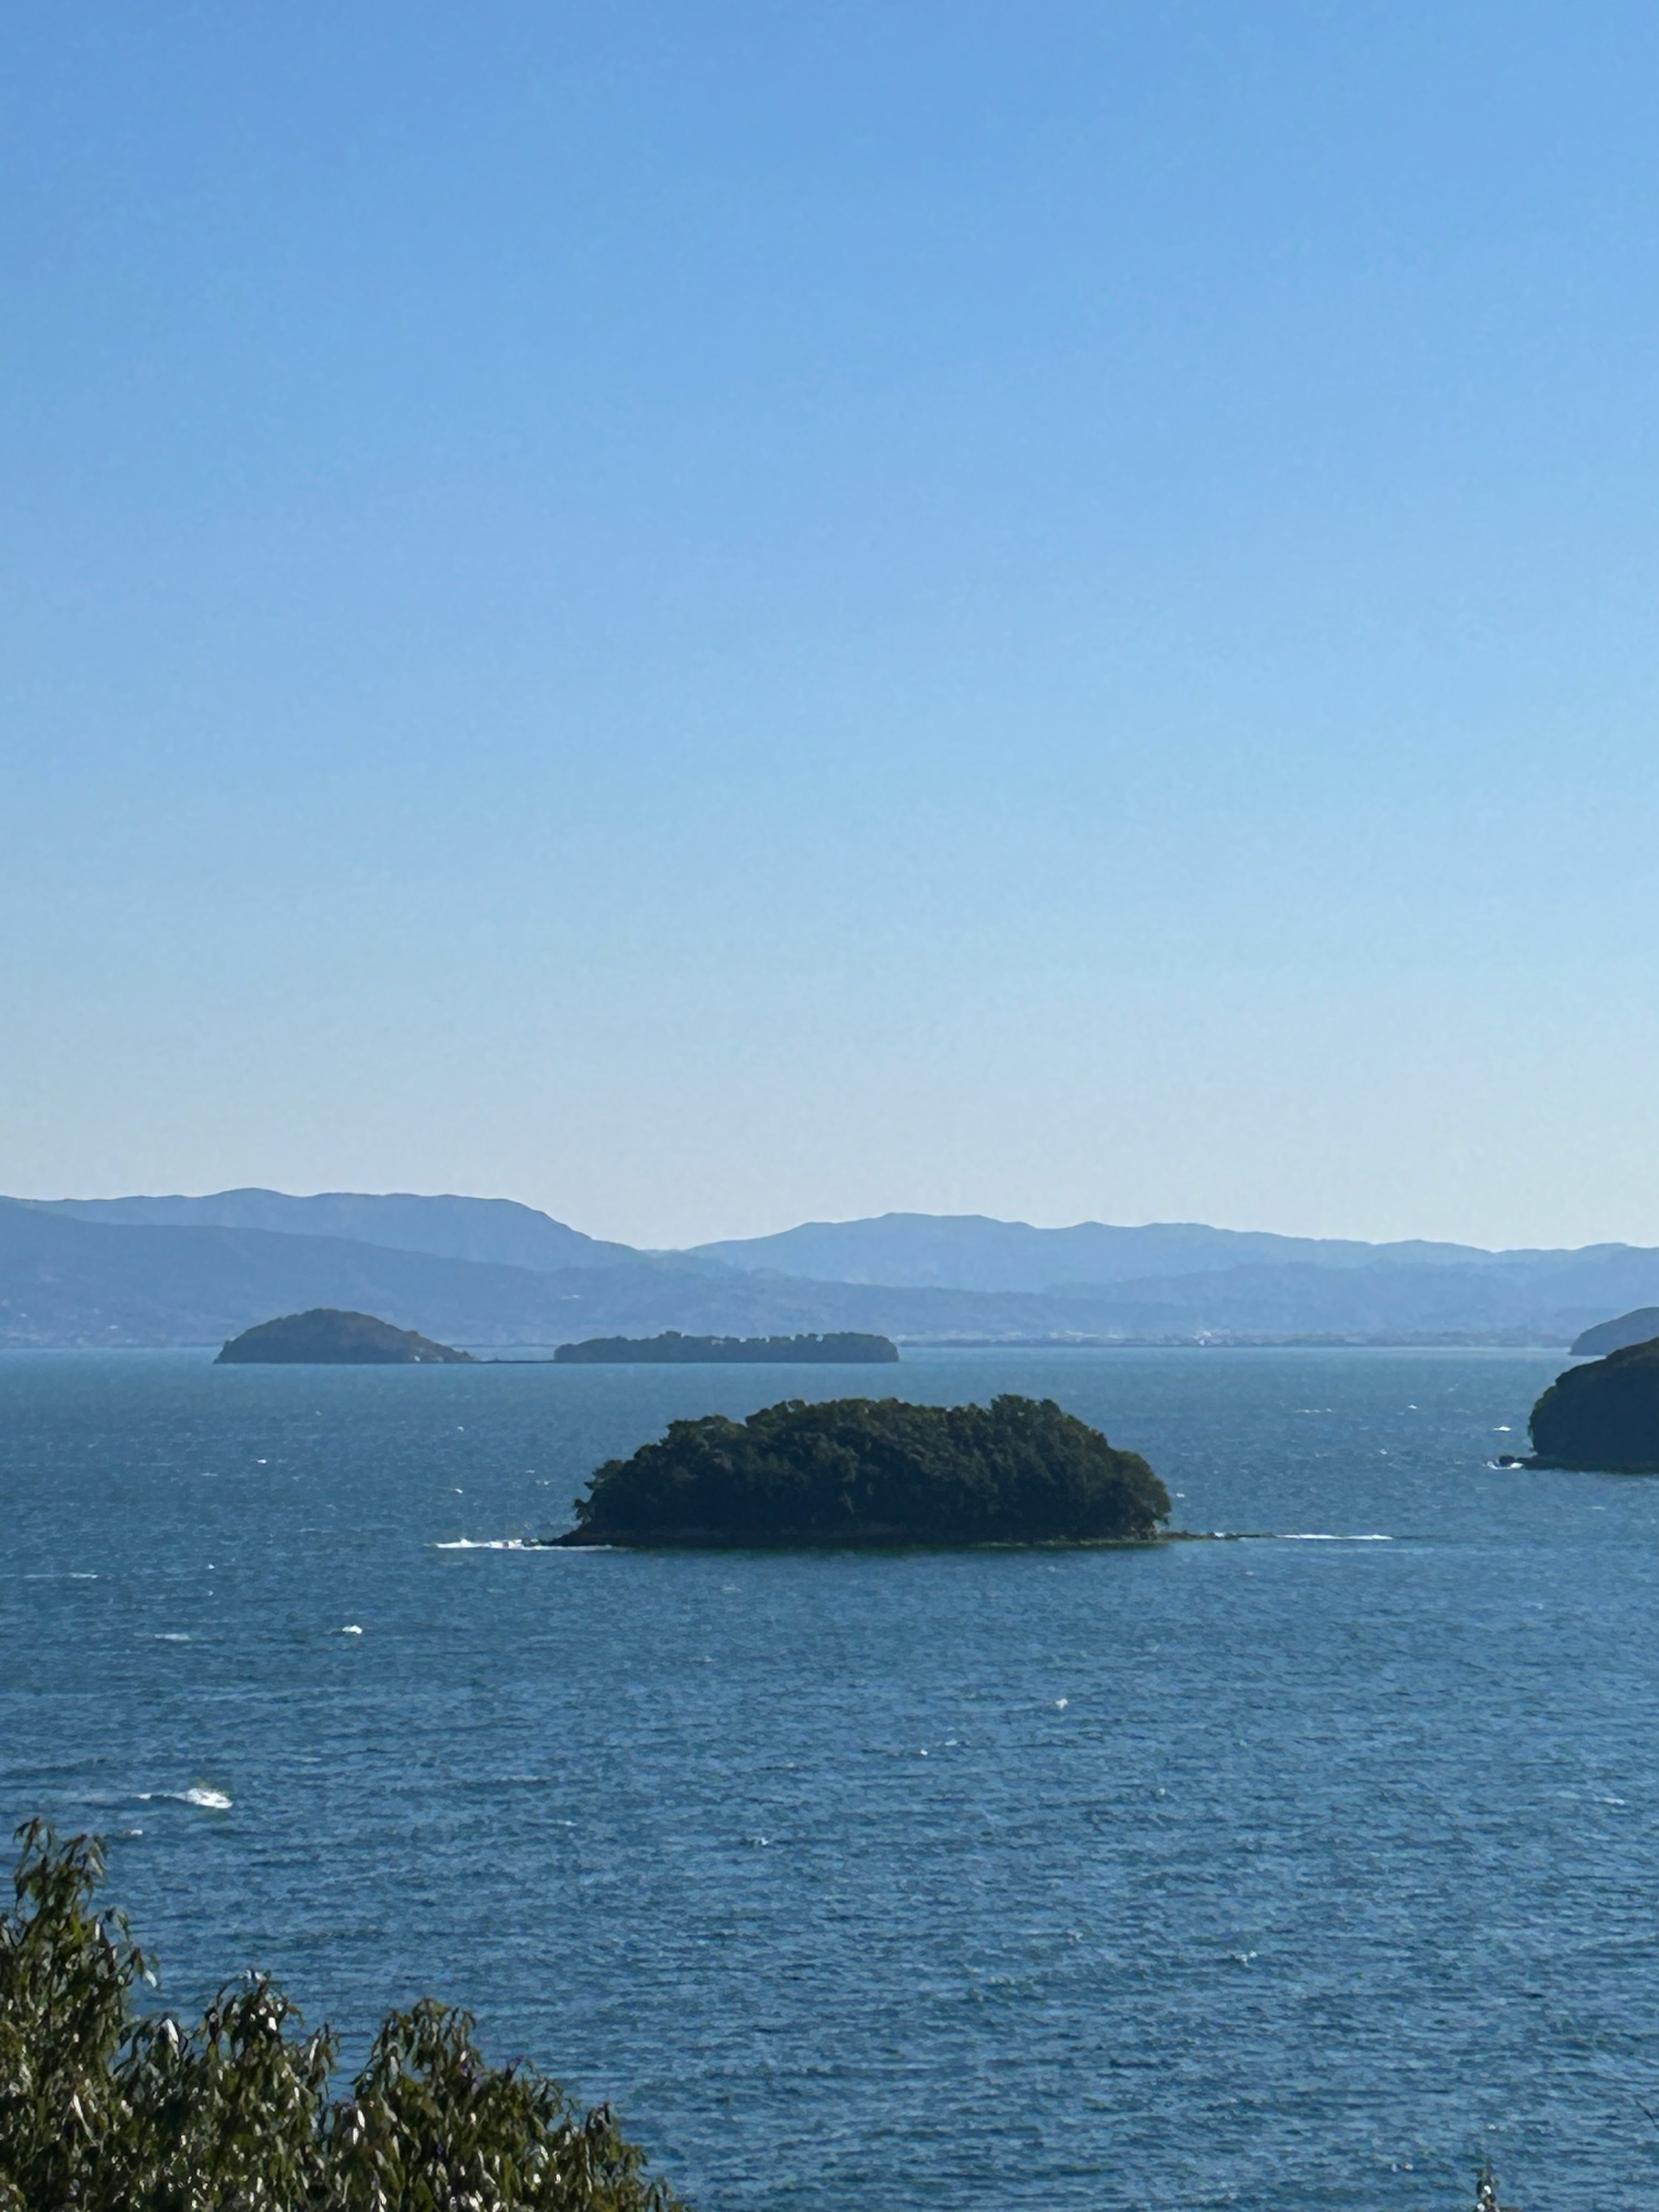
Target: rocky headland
(1603,1416)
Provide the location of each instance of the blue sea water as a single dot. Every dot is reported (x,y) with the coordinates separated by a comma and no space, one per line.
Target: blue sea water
(1285,1876)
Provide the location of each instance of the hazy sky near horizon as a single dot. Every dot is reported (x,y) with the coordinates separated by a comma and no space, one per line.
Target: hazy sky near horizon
(711,614)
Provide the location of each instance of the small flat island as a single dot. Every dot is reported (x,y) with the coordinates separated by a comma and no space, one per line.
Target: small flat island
(870,1473)
(1603,1418)
(848,1348)
(326,1337)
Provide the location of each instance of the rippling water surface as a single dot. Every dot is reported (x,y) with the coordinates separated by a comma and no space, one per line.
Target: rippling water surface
(1284,1875)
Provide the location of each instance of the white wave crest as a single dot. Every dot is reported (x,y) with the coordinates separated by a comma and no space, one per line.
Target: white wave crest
(488,1544)
(516,1544)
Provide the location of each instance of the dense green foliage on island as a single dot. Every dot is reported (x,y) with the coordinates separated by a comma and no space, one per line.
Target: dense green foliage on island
(107,2112)
(325,1337)
(876,1471)
(1603,1416)
(844,1348)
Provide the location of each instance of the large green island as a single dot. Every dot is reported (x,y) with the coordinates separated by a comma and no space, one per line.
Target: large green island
(325,1337)
(844,1348)
(1603,1416)
(871,1472)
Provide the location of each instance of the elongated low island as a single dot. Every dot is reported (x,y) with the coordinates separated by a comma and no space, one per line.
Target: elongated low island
(874,1471)
(841,1348)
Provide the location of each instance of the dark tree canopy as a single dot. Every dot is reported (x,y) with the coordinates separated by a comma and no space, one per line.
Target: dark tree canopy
(106,2112)
(326,1337)
(1605,1415)
(876,1471)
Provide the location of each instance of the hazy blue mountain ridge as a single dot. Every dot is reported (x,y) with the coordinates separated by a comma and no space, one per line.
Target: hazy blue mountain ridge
(972,1251)
(103,1271)
(497,1230)
(67,1280)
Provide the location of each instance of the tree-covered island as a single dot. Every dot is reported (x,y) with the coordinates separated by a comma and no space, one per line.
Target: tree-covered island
(842,1348)
(871,1472)
(1603,1416)
(325,1337)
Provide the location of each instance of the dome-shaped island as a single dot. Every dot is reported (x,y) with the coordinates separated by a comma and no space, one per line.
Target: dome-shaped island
(874,1471)
(325,1337)
(1603,1416)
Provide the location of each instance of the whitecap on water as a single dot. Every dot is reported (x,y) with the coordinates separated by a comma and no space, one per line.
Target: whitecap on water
(351,1629)
(210,1801)
(1318,1536)
(487,1543)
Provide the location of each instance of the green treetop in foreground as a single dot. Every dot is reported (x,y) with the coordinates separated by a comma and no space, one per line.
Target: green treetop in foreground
(870,1471)
(106,2112)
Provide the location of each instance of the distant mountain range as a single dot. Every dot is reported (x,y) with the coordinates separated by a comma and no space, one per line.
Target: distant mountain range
(971,1252)
(484,1272)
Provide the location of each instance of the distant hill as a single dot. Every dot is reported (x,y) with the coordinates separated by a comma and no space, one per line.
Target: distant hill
(971,1252)
(1182,1279)
(65,1280)
(1638,1327)
(327,1338)
(495,1230)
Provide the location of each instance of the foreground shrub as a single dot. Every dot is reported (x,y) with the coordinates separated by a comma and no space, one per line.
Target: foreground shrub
(103,2111)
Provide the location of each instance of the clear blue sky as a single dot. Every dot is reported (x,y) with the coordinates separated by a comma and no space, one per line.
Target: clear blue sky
(706,614)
